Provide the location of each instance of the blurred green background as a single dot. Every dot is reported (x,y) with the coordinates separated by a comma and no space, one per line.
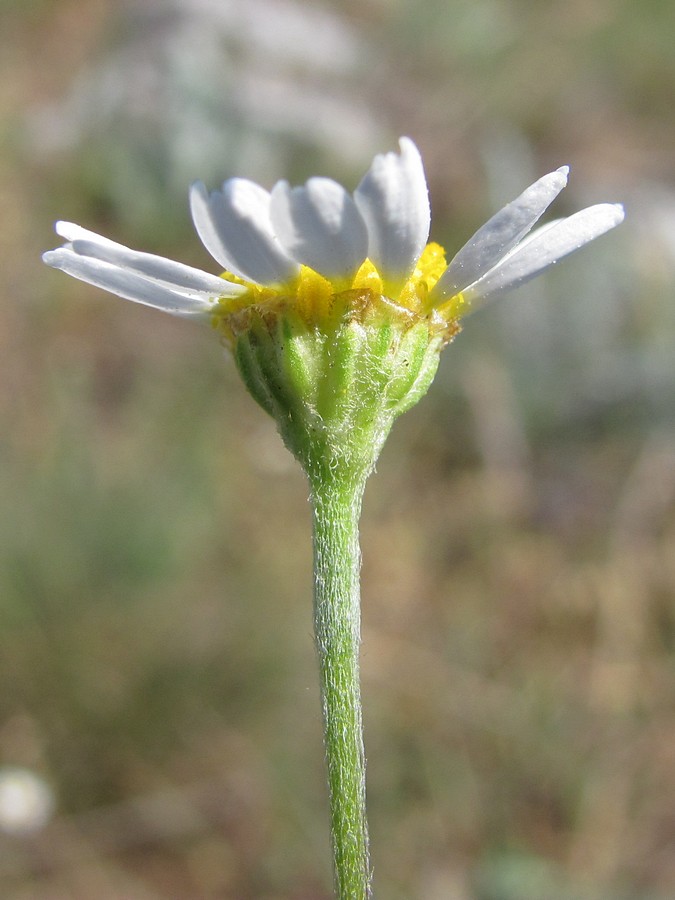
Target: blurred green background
(156,657)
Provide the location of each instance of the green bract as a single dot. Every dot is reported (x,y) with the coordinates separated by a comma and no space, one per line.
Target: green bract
(336,390)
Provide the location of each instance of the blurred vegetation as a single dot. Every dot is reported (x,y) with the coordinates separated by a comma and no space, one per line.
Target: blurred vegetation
(156,657)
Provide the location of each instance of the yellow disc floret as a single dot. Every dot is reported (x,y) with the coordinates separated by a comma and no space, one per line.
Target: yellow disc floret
(312,294)
(316,298)
(368,278)
(426,273)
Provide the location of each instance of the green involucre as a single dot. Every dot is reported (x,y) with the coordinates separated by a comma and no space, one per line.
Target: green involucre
(335,388)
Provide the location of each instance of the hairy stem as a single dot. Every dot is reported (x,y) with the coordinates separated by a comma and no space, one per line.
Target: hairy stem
(336,507)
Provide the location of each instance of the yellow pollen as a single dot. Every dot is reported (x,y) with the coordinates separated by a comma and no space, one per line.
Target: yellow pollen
(313,296)
(312,293)
(454,308)
(428,270)
(368,278)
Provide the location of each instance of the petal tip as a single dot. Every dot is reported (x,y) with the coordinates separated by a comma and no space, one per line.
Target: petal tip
(608,214)
(279,186)
(619,212)
(66,229)
(198,189)
(407,145)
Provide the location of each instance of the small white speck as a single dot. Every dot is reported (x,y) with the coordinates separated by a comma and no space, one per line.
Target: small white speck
(26,801)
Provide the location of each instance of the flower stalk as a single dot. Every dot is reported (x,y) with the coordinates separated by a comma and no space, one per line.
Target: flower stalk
(336,510)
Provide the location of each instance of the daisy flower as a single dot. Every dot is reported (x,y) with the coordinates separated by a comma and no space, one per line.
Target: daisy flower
(336,308)
(314,242)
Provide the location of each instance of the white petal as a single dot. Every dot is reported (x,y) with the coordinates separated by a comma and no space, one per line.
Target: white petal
(544,248)
(126,284)
(72,232)
(394,201)
(320,226)
(167,272)
(500,233)
(157,268)
(234,226)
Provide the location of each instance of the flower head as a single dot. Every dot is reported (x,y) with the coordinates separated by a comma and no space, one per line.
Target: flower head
(334,304)
(306,245)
